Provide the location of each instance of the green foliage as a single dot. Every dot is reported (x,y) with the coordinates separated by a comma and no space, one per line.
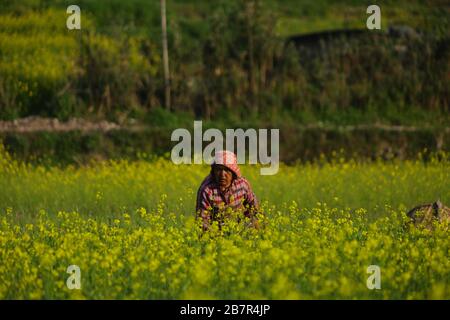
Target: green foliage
(130,228)
(337,182)
(115,73)
(323,253)
(36,64)
(228,59)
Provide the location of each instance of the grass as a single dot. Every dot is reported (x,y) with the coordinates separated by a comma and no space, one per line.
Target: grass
(110,188)
(130,228)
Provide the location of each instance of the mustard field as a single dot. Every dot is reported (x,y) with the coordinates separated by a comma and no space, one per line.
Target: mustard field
(130,229)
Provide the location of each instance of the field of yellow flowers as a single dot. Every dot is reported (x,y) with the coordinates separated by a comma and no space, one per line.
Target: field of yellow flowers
(130,228)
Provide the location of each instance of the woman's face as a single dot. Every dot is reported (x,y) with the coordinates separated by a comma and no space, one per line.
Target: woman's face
(223,176)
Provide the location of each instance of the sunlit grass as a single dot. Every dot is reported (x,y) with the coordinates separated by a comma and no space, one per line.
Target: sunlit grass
(130,228)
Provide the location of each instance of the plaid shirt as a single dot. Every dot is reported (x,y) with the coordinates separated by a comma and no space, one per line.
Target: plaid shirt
(211,201)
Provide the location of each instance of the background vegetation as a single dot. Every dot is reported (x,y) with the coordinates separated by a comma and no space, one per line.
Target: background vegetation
(230,62)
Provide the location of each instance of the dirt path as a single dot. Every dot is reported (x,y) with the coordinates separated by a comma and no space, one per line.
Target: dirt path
(36,124)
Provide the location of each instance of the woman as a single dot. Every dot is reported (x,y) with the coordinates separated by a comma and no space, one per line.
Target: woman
(225,191)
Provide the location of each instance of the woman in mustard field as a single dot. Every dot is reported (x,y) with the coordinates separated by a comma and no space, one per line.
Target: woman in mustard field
(225,191)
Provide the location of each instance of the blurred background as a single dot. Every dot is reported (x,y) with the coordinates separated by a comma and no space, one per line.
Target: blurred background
(310,68)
